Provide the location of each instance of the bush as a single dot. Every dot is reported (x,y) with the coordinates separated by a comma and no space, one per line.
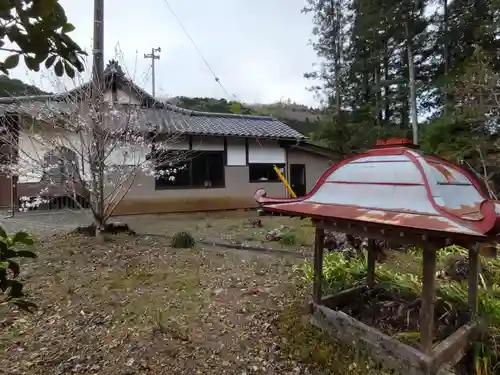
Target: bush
(10,269)
(182,240)
(288,238)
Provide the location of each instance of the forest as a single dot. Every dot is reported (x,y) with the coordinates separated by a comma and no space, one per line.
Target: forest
(389,64)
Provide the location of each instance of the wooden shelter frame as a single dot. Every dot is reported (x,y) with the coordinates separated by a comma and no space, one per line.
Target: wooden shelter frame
(391,352)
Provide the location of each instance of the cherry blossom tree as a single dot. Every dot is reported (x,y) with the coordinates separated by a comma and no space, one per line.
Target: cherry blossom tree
(92,152)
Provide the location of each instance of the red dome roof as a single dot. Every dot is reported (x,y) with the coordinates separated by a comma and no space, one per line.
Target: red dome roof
(394,184)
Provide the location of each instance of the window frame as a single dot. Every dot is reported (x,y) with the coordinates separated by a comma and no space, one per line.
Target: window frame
(271,165)
(189,162)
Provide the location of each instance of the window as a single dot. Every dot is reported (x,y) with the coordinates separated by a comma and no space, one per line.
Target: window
(203,170)
(265,172)
(60,165)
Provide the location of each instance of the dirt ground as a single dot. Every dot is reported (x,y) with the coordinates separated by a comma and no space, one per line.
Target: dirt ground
(136,306)
(234,227)
(228,227)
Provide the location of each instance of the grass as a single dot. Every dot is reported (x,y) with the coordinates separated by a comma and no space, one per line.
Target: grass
(309,345)
(231,228)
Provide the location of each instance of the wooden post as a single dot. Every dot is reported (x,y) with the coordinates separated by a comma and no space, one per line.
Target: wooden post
(428,300)
(473,280)
(370,275)
(319,244)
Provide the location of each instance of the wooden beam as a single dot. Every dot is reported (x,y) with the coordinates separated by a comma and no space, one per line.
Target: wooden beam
(383,348)
(341,298)
(246,151)
(319,242)
(473,280)
(382,232)
(428,300)
(452,349)
(370,276)
(225,152)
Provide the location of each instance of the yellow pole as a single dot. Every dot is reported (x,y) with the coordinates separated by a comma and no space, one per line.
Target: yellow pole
(285,182)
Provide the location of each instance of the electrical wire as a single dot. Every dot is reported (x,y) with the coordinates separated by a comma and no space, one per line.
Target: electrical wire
(217,79)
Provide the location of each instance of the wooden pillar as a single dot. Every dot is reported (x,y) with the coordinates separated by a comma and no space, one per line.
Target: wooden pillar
(428,300)
(370,275)
(319,244)
(473,280)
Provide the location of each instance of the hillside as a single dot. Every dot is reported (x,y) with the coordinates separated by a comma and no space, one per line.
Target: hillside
(15,87)
(297,116)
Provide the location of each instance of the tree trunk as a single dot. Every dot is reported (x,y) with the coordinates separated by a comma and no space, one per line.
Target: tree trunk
(446,58)
(337,19)
(412,83)
(378,105)
(387,89)
(403,92)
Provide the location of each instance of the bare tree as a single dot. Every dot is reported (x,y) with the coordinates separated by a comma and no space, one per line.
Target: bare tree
(476,94)
(70,145)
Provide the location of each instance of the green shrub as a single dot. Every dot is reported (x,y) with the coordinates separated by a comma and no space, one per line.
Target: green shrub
(10,269)
(182,240)
(288,238)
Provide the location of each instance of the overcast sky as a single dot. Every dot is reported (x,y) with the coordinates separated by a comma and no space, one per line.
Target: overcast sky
(259,49)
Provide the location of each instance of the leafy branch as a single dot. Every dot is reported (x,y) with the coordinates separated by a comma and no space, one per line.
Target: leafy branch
(39,29)
(10,270)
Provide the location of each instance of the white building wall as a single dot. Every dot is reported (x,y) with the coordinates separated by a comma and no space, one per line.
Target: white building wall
(265,151)
(33,148)
(122,97)
(236,152)
(208,143)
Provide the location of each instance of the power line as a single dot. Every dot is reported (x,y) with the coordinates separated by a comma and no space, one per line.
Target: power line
(197,49)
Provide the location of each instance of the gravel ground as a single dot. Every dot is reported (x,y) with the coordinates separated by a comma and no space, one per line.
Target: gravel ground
(41,223)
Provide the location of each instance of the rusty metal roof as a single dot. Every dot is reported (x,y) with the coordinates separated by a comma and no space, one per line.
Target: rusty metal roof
(395,184)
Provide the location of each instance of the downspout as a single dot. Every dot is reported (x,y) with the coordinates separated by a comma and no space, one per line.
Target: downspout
(12,197)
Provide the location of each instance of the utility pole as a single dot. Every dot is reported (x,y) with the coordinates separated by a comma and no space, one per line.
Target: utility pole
(98,49)
(153,56)
(97,156)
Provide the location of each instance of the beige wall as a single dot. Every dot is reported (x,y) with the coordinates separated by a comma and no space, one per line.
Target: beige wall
(238,193)
(315,165)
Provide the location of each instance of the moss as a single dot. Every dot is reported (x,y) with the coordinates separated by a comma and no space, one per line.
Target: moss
(307,344)
(182,240)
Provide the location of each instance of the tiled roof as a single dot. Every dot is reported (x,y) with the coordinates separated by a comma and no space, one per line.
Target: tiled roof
(170,119)
(165,117)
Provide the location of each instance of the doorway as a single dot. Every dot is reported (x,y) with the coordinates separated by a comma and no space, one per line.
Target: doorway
(298,179)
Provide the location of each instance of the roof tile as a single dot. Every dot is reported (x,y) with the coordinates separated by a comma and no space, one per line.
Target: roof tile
(171,119)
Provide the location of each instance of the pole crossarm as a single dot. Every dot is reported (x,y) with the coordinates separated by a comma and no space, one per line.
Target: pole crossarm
(153,56)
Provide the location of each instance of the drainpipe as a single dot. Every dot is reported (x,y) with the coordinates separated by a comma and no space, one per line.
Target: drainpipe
(12,197)
(12,200)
